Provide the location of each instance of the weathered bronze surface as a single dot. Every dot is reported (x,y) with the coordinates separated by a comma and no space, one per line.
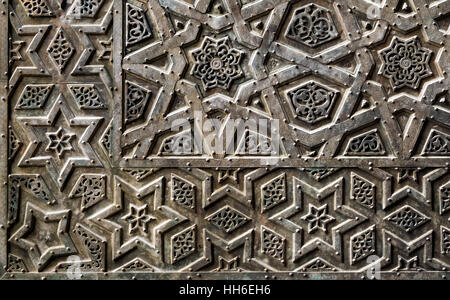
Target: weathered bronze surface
(352,183)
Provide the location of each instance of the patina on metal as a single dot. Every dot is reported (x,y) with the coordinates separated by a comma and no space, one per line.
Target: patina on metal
(108,108)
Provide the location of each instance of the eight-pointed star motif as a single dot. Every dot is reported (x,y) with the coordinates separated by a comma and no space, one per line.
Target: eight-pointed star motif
(405,63)
(317,218)
(38,255)
(59,141)
(217,64)
(42,129)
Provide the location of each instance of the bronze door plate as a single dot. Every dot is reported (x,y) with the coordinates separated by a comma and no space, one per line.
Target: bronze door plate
(214,139)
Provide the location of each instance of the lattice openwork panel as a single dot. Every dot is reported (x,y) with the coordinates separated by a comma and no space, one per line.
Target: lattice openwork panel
(217,139)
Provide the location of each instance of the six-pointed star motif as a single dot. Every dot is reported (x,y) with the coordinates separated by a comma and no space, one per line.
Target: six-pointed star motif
(332,242)
(41,129)
(317,218)
(59,141)
(124,234)
(138,218)
(41,257)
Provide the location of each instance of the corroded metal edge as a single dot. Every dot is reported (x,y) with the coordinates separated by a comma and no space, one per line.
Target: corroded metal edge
(163,162)
(402,158)
(117,70)
(283,162)
(3,131)
(425,275)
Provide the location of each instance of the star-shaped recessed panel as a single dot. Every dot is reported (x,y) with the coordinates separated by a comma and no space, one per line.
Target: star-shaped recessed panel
(405,63)
(57,142)
(37,235)
(138,217)
(319,225)
(317,218)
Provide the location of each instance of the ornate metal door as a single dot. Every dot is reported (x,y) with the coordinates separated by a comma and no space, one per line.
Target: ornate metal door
(224,139)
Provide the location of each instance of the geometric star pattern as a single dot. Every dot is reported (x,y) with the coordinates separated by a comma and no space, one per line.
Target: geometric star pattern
(59,142)
(43,130)
(41,256)
(138,226)
(345,172)
(317,218)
